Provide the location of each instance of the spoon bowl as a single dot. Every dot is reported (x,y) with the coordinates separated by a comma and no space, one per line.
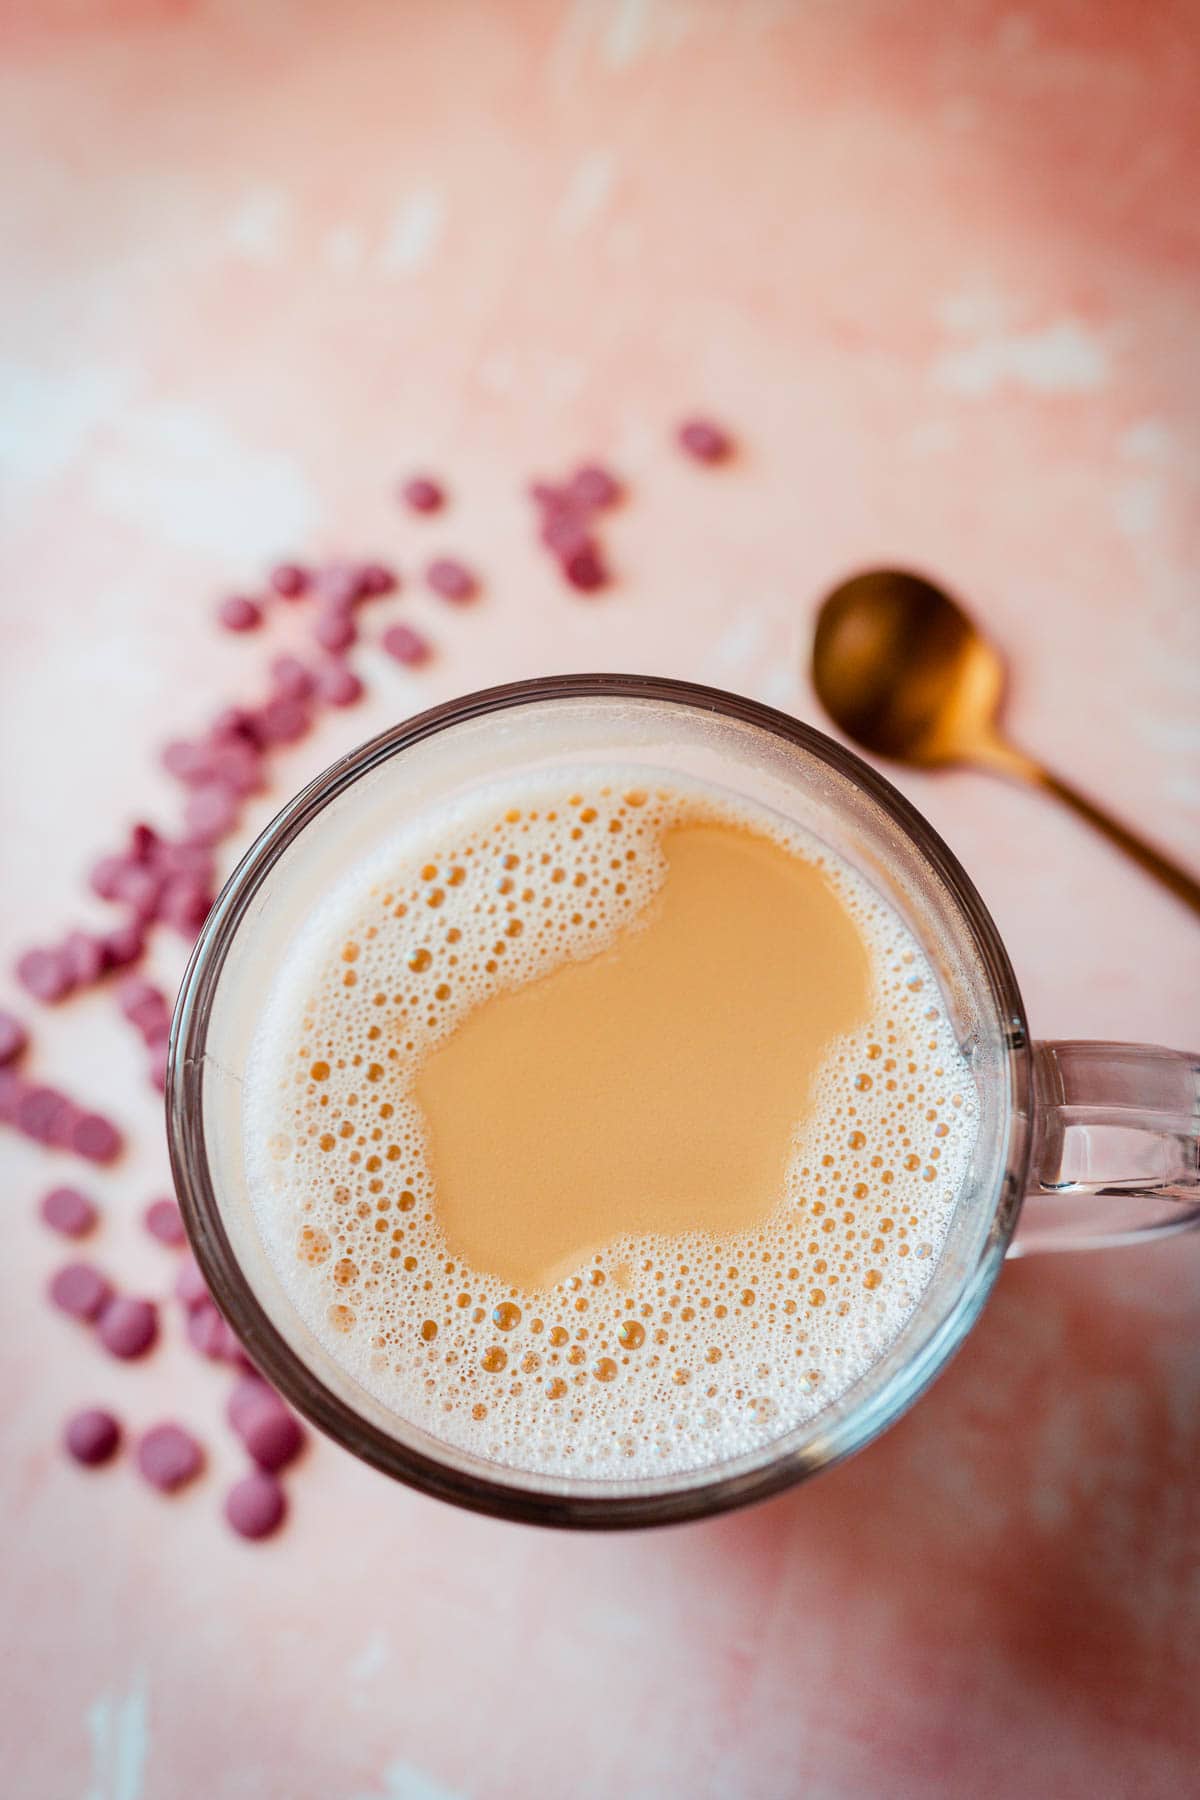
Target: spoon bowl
(904,672)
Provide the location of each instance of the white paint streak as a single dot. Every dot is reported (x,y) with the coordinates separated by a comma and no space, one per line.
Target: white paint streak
(403,1781)
(738,647)
(370,1659)
(587,192)
(628,32)
(975,312)
(180,472)
(119,1731)
(1149,441)
(258,228)
(1136,506)
(1064,358)
(415,232)
(567,52)
(46,418)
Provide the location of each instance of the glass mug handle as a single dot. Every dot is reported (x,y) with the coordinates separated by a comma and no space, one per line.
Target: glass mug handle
(1116,1147)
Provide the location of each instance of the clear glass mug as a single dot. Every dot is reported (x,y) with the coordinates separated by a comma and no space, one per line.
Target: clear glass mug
(1079,1144)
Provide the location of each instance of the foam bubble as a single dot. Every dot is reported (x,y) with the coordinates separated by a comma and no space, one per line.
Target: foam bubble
(659,1354)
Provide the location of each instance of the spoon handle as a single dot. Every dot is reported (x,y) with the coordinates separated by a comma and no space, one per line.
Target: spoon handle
(1184,886)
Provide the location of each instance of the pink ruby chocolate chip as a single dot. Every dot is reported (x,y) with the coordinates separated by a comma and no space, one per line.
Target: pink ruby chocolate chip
(92,1437)
(47,1117)
(206,1331)
(422,494)
(67,1211)
(164,1221)
(191,1289)
(45,974)
(292,678)
(594,487)
(290,580)
(158,1063)
(128,1327)
(256,1506)
(283,721)
(80,1290)
(339,585)
(406,645)
(145,1006)
(376,579)
(451,579)
(248,1396)
(96,1138)
(239,613)
(168,1456)
(335,631)
(338,685)
(211,813)
(272,1436)
(14,1039)
(125,945)
(584,568)
(85,958)
(703,440)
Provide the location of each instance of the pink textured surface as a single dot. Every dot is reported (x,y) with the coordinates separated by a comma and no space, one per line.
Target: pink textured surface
(938,269)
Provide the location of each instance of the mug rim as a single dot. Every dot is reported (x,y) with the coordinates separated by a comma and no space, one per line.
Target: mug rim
(335,1417)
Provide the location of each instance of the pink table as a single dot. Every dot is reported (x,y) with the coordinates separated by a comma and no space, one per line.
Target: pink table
(939,268)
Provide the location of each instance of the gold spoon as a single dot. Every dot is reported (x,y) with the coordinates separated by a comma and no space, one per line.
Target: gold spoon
(902,670)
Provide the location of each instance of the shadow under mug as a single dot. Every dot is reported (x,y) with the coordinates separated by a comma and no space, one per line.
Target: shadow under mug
(1078,1144)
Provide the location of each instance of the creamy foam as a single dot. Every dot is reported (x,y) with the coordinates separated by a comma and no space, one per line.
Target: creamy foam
(654,1353)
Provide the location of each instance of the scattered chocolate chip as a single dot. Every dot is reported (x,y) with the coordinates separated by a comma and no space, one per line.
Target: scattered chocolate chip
(184,903)
(704,441)
(594,487)
(92,1437)
(335,631)
(210,814)
(191,1289)
(290,580)
(128,1327)
(292,679)
(405,645)
(255,1506)
(248,1396)
(157,1064)
(283,721)
(584,568)
(125,945)
(84,958)
(95,1137)
(47,1116)
(240,614)
(44,974)
(422,494)
(272,1435)
(451,579)
(340,586)
(168,1456)
(376,579)
(105,877)
(81,1290)
(164,1221)
(14,1039)
(206,1331)
(67,1211)
(338,685)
